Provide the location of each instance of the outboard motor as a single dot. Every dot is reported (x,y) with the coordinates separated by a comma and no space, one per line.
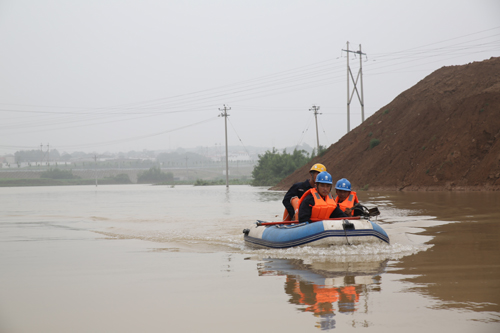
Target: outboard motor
(347,225)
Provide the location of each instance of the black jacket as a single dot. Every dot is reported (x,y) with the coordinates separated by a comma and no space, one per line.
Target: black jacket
(297,190)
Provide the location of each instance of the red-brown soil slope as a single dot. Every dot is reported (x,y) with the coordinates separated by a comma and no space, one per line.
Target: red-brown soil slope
(441,134)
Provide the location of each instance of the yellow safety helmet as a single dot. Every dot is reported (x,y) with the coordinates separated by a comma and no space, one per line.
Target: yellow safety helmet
(318,167)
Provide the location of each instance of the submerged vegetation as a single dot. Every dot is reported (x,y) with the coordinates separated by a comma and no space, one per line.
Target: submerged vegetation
(154,175)
(271,167)
(121,178)
(201,182)
(58,174)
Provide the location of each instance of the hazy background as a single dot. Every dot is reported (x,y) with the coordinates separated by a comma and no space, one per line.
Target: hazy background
(116,75)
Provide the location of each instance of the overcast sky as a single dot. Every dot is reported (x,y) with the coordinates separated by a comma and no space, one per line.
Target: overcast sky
(121,75)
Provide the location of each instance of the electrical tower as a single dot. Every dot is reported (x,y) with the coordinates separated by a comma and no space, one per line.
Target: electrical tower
(315,109)
(225,115)
(355,88)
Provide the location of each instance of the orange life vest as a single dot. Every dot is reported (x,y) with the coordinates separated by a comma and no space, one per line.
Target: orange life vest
(295,204)
(322,208)
(348,202)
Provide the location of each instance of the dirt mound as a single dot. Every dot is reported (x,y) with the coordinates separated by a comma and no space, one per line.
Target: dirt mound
(441,134)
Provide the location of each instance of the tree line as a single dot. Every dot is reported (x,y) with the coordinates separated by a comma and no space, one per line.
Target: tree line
(271,168)
(274,166)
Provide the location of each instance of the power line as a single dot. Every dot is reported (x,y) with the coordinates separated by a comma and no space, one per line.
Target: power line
(234,129)
(315,75)
(106,143)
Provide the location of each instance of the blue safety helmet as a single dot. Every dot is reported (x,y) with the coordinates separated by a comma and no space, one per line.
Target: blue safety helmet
(324,177)
(343,184)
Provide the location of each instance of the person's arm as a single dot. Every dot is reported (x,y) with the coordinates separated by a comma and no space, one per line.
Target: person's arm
(305,208)
(337,212)
(348,211)
(292,192)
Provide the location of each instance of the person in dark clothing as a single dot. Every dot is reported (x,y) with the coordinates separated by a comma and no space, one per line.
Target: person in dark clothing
(319,196)
(298,189)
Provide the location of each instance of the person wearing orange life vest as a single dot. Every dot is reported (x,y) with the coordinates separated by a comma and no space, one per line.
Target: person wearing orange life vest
(291,199)
(317,203)
(346,199)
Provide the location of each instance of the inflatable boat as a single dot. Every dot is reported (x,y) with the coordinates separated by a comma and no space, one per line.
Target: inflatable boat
(340,231)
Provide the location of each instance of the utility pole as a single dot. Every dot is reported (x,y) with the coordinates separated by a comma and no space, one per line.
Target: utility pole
(41,154)
(225,115)
(48,154)
(95,169)
(355,88)
(315,110)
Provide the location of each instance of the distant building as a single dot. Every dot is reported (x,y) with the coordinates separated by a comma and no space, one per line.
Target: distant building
(239,157)
(10,159)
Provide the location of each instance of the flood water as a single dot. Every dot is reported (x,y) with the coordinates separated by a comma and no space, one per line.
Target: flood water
(140,258)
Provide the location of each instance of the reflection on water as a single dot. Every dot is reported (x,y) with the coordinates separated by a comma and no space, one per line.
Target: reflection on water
(442,263)
(227,202)
(462,267)
(327,288)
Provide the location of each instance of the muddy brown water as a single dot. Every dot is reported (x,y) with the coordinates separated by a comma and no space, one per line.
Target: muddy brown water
(129,258)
